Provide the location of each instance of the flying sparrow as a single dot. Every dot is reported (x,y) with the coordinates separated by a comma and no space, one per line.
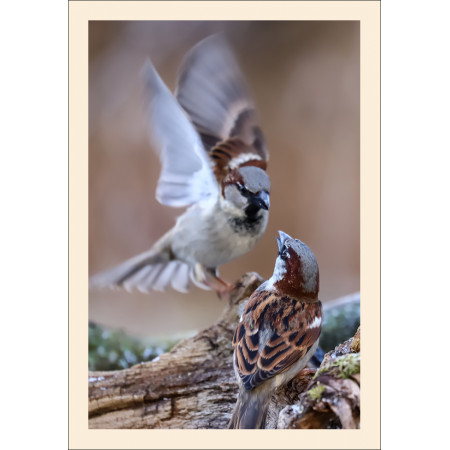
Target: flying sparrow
(214,158)
(278,332)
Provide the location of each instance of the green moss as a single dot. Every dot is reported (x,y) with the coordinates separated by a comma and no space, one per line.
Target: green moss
(346,365)
(316,392)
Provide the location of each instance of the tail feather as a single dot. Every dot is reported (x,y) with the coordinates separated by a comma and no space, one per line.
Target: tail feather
(148,283)
(145,272)
(155,269)
(198,277)
(164,277)
(250,411)
(137,279)
(180,278)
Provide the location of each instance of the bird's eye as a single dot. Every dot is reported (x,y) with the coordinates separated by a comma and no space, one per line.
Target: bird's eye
(284,253)
(242,188)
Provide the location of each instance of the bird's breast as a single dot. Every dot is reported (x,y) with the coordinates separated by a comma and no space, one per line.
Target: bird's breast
(215,237)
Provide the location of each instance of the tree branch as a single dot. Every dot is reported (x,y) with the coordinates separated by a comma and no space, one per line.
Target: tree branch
(192,386)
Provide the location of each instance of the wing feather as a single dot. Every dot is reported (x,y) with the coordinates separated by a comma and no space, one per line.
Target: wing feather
(186,174)
(286,329)
(212,90)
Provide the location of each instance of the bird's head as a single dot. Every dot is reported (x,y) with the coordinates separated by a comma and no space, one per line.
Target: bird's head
(248,190)
(296,271)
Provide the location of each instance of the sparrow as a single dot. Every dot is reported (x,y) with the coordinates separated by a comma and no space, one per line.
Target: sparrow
(278,331)
(214,159)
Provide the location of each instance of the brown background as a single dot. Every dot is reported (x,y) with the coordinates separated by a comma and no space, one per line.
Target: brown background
(304,77)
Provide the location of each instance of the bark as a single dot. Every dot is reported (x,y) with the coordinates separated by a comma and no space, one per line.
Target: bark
(193,385)
(332,397)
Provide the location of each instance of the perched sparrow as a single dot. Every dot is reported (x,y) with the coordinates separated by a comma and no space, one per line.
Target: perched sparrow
(278,332)
(213,157)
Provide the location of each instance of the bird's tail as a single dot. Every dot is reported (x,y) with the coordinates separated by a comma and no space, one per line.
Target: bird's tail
(152,270)
(250,411)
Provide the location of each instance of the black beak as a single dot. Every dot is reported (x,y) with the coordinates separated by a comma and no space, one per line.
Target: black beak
(261,200)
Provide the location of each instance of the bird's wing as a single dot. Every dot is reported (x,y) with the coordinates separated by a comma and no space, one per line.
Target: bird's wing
(212,90)
(186,175)
(274,334)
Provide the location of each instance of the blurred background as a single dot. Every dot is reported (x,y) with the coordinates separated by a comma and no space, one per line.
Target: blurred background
(304,78)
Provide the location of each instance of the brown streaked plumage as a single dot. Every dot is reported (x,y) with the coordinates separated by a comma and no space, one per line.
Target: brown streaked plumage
(278,331)
(232,154)
(288,340)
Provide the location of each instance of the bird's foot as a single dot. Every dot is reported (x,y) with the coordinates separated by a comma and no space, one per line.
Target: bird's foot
(222,288)
(210,278)
(224,293)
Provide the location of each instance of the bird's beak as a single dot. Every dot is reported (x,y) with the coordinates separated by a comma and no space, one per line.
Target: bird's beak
(262,200)
(281,240)
(280,245)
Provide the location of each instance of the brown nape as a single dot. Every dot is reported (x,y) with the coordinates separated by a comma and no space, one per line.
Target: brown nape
(224,152)
(256,163)
(232,177)
(292,283)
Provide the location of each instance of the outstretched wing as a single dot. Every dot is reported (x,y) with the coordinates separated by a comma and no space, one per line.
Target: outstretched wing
(212,91)
(272,336)
(186,174)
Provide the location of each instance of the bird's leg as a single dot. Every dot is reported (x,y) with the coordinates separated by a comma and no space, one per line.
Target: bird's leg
(222,287)
(210,277)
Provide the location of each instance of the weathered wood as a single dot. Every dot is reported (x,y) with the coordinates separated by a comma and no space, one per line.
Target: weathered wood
(332,398)
(192,386)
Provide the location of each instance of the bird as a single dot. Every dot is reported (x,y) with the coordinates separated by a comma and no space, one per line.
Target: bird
(214,159)
(278,332)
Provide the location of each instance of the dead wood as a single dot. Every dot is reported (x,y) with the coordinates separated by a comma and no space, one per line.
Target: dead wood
(332,398)
(193,385)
